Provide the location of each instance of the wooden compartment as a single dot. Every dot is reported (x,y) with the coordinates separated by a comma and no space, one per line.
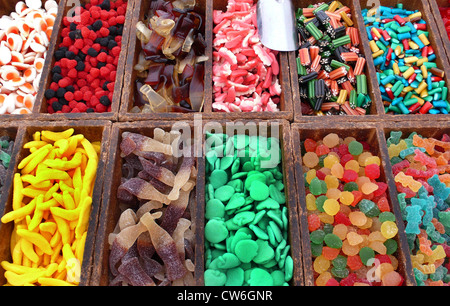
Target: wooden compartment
(282,130)
(434,8)
(98,130)
(372,134)
(6,8)
(286,102)
(111,206)
(206,8)
(376,108)
(436,43)
(141,9)
(41,104)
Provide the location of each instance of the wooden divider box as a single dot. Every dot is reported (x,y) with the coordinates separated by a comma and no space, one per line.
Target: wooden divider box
(371,134)
(98,130)
(435,41)
(376,108)
(6,8)
(112,207)
(205,8)
(41,106)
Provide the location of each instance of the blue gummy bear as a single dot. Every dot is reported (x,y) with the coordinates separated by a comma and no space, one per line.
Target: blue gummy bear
(413,218)
(440,190)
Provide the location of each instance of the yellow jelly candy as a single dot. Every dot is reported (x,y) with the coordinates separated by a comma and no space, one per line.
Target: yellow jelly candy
(331,207)
(340,230)
(373,160)
(321,264)
(357,218)
(337,170)
(311,202)
(331,181)
(330,160)
(310,159)
(352,165)
(347,198)
(310,175)
(389,229)
(369,188)
(333,193)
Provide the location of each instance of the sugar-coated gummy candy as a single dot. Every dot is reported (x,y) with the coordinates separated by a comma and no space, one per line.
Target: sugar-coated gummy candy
(423,192)
(349,215)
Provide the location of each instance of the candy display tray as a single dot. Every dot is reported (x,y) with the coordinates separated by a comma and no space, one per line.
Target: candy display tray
(434,8)
(377,112)
(372,134)
(206,8)
(98,130)
(40,108)
(110,211)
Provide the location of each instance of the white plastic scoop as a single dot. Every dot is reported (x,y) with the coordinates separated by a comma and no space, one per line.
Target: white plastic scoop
(277,25)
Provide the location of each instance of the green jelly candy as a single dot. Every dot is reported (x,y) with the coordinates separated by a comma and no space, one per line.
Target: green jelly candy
(243,218)
(355,148)
(246,250)
(339,273)
(316,249)
(386,216)
(260,277)
(333,241)
(315,187)
(224,193)
(235,277)
(216,231)
(391,246)
(340,262)
(351,186)
(214,278)
(369,208)
(366,253)
(319,203)
(218,178)
(317,236)
(265,252)
(214,209)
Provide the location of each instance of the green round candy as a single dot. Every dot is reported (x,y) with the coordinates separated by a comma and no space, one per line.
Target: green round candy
(214,278)
(246,250)
(278,277)
(333,241)
(265,252)
(260,277)
(276,194)
(214,209)
(224,193)
(216,231)
(259,191)
(355,148)
(218,178)
(243,218)
(226,162)
(236,201)
(235,277)
(365,254)
(227,261)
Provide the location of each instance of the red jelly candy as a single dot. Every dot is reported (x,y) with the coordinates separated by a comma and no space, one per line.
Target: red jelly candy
(349,176)
(322,150)
(310,145)
(313,223)
(372,171)
(332,282)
